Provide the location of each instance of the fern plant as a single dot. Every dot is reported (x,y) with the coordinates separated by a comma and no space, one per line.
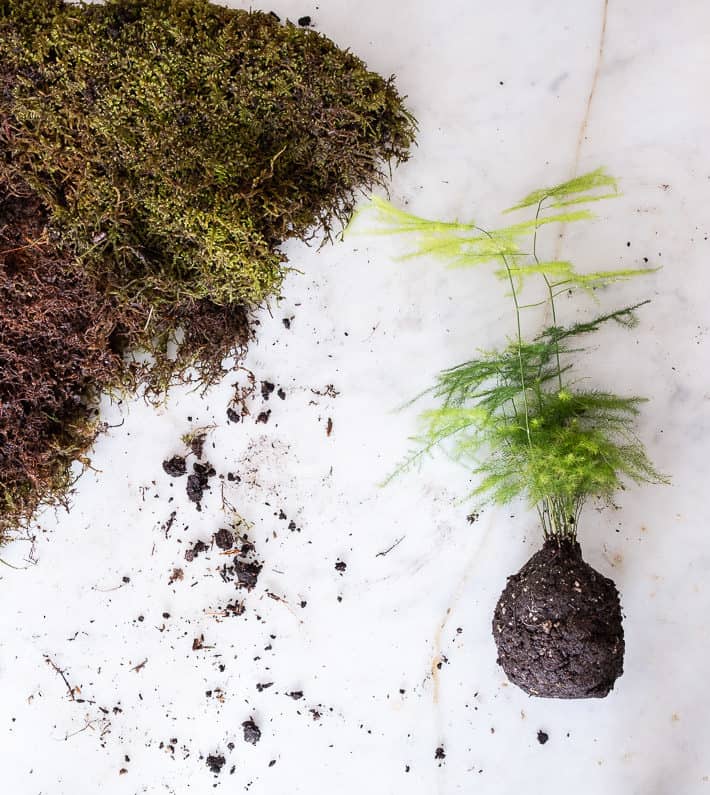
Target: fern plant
(515,415)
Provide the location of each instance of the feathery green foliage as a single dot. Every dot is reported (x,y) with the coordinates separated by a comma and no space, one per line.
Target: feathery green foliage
(510,414)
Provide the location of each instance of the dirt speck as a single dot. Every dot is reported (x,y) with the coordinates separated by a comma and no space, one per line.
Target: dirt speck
(341,566)
(194,552)
(542,737)
(224,539)
(175,466)
(439,753)
(252,733)
(215,763)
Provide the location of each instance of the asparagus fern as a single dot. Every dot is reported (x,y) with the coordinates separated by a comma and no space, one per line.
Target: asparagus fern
(513,415)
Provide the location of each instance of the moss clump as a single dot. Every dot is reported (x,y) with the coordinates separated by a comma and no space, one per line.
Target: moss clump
(55,353)
(173,146)
(179,143)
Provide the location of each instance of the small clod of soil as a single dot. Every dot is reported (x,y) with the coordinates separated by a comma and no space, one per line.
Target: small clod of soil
(191,554)
(304,22)
(247,573)
(296,695)
(341,566)
(440,753)
(558,626)
(263,417)
(175,466)
(233,415)
(215,763)
(281,394)
(235,609)
(542,737)
(198,482)
(224,539)
(252,733)
(266,389)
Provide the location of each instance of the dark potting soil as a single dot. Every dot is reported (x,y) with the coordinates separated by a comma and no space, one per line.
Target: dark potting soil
(215,763)
(175,466)
(224,539)
(198,482)
(558,626)
(252,733)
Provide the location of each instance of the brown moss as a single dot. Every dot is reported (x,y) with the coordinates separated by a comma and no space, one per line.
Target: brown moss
(54,357)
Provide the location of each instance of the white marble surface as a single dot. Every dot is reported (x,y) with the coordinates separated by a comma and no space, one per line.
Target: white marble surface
(502,94)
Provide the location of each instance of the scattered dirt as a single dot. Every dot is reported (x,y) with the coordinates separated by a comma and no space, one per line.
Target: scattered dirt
(176,575)
(215,763)
(224,538)
(558,626)
(198,482)
(252,733)
(193,552)
(542,737)
(175,466)
(247,573)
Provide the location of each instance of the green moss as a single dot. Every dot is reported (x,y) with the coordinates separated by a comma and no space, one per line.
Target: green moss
(178,143)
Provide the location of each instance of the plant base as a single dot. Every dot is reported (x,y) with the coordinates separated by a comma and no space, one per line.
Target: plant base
(558,626)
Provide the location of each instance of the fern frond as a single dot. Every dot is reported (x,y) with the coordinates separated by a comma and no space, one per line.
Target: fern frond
(566,191)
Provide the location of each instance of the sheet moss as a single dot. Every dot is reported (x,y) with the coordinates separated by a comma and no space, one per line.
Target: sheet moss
(174,146)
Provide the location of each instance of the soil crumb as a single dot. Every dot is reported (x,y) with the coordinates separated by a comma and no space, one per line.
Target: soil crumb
(542,737)
(198,482)
(558,626)
(191,554)
(224,539)
(252,733)
(215,763)
(175,466)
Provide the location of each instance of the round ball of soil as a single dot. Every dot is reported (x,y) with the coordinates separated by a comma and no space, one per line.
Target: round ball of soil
(557,626)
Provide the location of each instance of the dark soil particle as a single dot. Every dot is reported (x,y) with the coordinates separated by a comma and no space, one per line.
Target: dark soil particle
(263,417)
(191,554)
(296,695)
(542,737)
(304,22)
(198,482)
(558,626)
(281,393)
(340,566)
(215,763)
(252,733)
(175,466)
(440,753)
(247,573)
(266,389)
(233,415)
(224,539)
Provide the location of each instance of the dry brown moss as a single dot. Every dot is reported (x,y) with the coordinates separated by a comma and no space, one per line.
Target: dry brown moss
(55,354)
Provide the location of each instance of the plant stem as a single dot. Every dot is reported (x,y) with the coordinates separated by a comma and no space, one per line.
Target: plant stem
(520,338)
(549,290)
